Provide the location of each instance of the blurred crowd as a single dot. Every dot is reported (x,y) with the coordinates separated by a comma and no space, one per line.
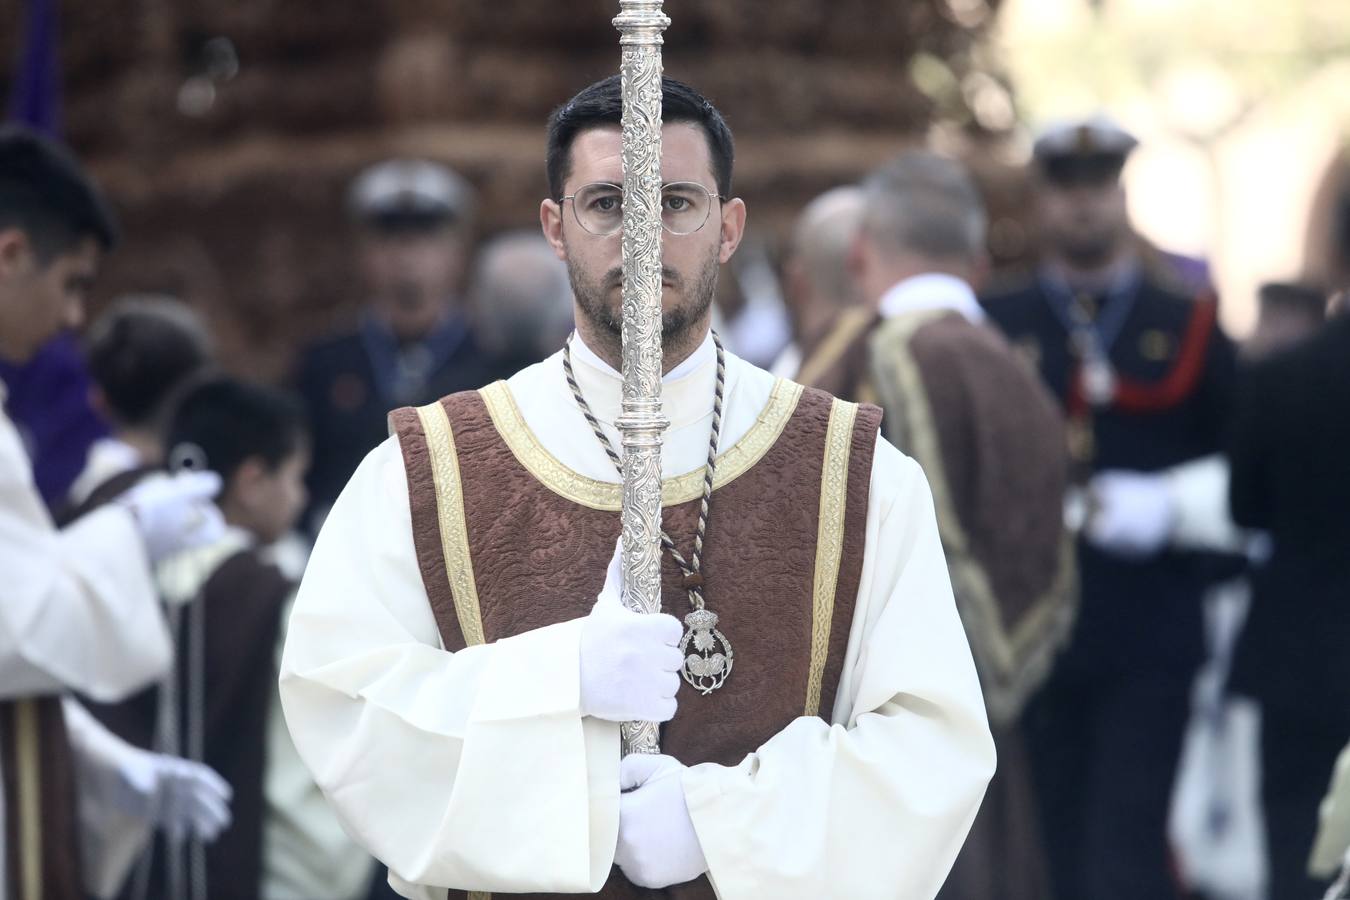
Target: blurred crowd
(1146,523)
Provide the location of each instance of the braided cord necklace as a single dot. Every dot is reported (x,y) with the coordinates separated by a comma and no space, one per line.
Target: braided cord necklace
(707,667)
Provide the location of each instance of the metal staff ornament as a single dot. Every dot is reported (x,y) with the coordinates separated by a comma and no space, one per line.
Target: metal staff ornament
(640,24)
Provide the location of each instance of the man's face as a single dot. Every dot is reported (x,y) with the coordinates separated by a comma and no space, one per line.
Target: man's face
(413,277)
(689,261)
(1084,220)
(38,302)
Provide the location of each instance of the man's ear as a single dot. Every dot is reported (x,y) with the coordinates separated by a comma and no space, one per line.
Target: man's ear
(551,221)
(733,228)
(16,251)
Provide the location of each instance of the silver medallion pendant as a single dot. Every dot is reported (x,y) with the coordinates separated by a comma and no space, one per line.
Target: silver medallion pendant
(708,666)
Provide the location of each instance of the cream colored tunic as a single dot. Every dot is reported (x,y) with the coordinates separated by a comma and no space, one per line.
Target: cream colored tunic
(476,769)
(78,609)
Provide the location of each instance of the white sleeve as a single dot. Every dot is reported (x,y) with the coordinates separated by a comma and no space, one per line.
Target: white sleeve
(78,608)
(474,769)
(110,839)
(1199,491)
(877,803)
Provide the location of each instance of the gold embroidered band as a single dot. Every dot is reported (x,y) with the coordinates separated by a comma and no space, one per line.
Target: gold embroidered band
(605,495)
(450,513)
(829,542)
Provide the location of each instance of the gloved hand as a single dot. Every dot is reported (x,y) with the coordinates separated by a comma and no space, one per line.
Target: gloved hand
(184,798)
(658,846)
(175,512)
(630,662)
(1131,513)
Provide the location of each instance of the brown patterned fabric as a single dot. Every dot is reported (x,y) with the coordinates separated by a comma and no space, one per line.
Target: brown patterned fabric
(990,439)
(1001,438)
(59,862)
(540,559)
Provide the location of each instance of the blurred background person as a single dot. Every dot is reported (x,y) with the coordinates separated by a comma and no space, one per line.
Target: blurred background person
(1289,450)
(1287,312)
(222,702)
(818,285)
(521,300)
(80,611)
(141,352)
(1145,377)
(414,342)
(990,440)
(49,403)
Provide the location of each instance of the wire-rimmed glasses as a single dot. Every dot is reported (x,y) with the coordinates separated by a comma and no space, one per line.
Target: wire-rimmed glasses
(685,207)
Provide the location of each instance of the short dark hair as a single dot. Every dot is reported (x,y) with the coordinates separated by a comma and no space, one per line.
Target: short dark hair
(141,351)
(601,105)
(231,421)
(45,193)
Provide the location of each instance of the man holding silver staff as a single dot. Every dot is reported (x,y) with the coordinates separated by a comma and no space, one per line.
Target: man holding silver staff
(458,689)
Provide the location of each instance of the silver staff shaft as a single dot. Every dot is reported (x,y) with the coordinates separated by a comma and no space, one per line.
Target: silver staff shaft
(640,23)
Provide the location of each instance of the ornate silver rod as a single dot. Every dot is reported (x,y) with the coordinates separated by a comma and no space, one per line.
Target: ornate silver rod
(640,23)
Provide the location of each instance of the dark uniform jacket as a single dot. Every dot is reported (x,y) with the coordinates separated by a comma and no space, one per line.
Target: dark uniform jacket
(1174,369)
(1291,476)
(349,386)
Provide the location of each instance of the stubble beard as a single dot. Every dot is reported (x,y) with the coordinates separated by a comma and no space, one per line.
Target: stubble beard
(677,323)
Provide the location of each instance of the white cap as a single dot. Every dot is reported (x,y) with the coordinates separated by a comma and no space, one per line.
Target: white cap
(410,190)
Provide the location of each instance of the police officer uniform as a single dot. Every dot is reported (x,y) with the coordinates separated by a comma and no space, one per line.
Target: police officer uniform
(1144,374)
(351,381)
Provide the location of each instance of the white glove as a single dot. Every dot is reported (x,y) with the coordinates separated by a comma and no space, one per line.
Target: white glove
(186,799)
(630,662)
(1131,513)
(175,512)
(657,846)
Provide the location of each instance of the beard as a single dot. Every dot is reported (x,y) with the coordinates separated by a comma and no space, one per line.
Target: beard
(691,305)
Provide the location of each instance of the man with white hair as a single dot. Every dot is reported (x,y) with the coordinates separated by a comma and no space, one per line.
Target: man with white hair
(988,436)
(522,300)
(817,284)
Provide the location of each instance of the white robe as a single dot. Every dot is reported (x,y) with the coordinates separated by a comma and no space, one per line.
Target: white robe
(78,609)
(476,769)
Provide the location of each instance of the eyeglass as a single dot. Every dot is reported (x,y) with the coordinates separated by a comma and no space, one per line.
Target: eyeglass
(685,207)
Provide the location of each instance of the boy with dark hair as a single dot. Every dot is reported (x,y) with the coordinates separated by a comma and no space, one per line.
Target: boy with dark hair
(141,352)
(223,696)
(79,608)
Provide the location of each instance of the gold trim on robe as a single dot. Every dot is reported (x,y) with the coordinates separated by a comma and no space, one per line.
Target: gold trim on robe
(829,542)
(604,495)
(28,808)
(1020,659)
(851,323)
(450,511)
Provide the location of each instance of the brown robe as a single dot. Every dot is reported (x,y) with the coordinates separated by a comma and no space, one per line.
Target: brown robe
(990,439)
(242,600)
(42,860)
(535,554)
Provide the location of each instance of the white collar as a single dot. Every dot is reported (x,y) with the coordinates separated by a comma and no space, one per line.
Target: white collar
(686,390)
(932,290)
